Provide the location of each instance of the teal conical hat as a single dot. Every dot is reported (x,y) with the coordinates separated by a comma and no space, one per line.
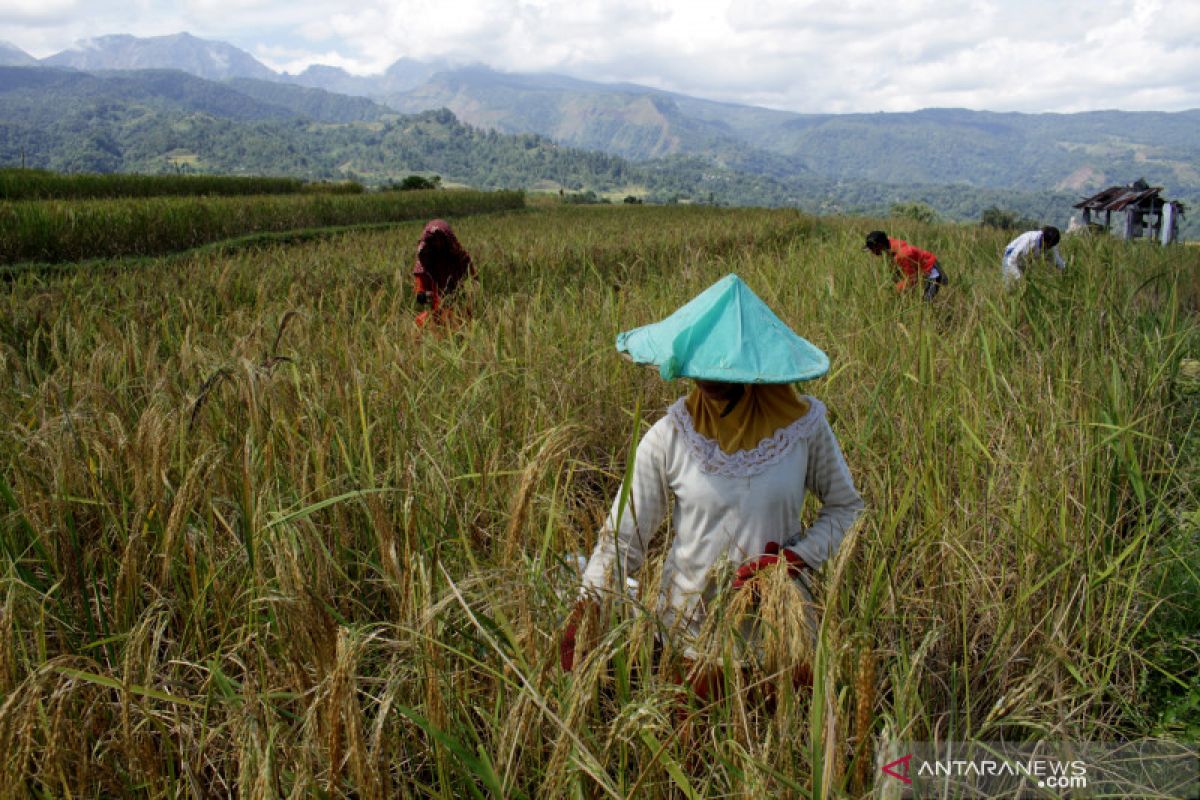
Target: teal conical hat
(725,334)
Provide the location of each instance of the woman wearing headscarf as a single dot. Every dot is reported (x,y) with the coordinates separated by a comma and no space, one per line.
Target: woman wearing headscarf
(441,266)
(737,456)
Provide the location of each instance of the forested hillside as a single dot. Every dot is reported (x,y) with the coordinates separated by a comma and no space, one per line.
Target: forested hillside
(315,104)
(1073,153)
(157,121)
(933,146)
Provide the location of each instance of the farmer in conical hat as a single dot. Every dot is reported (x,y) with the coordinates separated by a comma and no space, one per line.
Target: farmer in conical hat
(441,266)
(737,455)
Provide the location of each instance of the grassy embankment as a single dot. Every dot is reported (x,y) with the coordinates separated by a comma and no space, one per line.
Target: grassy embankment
(38,184)
(55,231)
(259,538)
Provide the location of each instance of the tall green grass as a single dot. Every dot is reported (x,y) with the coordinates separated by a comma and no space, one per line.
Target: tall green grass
(262,538)
(56,231)
(38,184)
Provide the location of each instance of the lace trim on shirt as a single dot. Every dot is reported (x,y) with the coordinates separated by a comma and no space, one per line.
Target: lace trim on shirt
(743,463)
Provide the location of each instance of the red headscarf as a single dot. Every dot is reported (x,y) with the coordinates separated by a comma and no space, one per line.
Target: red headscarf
(441,262)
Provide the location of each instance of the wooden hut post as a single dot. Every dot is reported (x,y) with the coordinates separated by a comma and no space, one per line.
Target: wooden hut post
(1168,224)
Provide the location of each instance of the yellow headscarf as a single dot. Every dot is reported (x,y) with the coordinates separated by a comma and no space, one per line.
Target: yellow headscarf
(763,409)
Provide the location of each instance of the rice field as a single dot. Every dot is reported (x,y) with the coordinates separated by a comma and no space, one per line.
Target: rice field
(263,539)
(58,231)
(37,184)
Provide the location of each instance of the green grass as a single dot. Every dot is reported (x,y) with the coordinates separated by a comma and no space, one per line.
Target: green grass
(261,538)
(56,231)
(38,184)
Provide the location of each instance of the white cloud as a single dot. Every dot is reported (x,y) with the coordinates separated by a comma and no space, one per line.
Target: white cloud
(804,55)
(36,12)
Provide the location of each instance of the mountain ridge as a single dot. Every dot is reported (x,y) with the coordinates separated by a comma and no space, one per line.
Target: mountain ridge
(203,58)
(1001,150)
(13,56)
(164,120)
(936,147)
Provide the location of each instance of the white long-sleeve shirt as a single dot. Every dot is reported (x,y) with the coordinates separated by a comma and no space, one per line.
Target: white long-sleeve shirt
(1025,248)
(727,506)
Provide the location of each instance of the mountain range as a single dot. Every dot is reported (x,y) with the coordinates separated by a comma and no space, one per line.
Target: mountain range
(1066,153)
(13,56)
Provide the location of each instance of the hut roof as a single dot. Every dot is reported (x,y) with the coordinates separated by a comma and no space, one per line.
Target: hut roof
(1118,198)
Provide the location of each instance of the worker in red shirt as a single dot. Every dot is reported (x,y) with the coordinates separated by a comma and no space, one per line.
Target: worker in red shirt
(441,266)
(909,262)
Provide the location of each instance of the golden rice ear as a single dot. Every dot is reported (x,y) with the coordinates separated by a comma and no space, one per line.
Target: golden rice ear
(788,618)
(553,448)
(864,713)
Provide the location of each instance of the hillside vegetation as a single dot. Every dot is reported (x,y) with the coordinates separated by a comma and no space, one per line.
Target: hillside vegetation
(55,231)
(958,162)
(263,539)
(36,184)
(932,146)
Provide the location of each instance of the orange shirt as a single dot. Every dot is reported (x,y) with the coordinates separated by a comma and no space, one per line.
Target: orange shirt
(910,261)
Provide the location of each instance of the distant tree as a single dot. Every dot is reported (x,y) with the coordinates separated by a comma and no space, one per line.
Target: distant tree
(916,211)
(632,200)
(993,217)
(584,198)
(416,182)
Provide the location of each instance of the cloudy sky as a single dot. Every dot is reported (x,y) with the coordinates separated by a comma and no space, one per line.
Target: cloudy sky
(800,55)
